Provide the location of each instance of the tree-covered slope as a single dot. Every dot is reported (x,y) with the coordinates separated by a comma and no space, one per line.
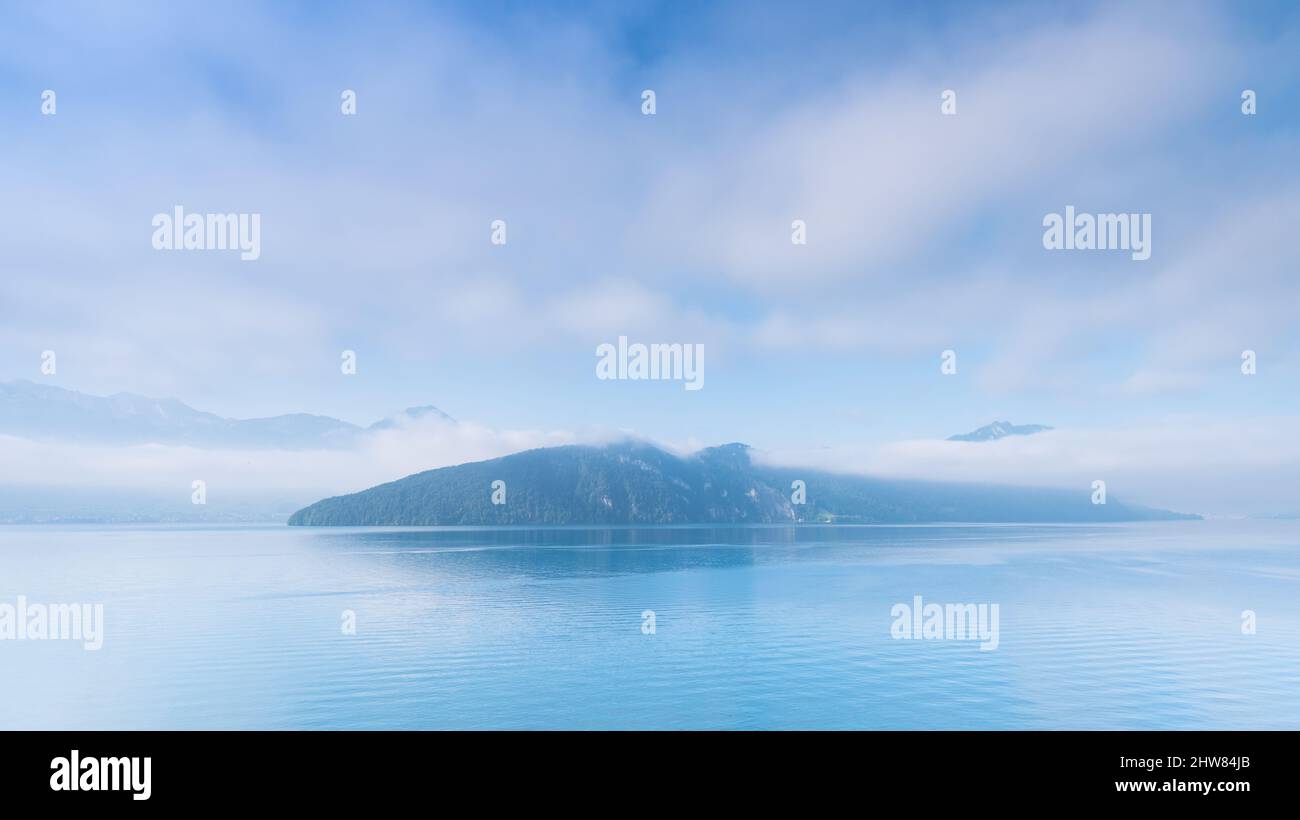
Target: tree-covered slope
(636,483)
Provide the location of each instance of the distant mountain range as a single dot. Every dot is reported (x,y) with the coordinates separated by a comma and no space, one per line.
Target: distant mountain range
(637,483)
(45,412)
(1000,429)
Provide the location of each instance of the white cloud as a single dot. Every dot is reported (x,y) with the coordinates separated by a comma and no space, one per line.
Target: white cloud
(386,455)
(1245,466)
(923,229)
(880,176)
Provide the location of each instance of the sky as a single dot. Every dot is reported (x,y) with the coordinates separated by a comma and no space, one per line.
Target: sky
(924,230)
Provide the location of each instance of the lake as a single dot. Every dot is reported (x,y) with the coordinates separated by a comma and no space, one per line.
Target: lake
(1099,627)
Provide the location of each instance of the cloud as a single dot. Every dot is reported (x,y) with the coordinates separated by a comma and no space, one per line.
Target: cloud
(386,455)
(1249,466)
(882,178)
(923,229)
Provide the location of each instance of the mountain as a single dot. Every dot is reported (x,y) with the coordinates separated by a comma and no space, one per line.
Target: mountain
(637,483)
(410,414)
(1000,429)
(45,412)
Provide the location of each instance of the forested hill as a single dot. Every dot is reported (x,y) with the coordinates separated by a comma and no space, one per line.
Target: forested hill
(637,483)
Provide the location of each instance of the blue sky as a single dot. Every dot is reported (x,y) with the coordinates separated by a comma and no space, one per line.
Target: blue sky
(924,230)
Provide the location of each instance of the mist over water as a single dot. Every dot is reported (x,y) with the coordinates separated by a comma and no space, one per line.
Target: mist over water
(1106,627)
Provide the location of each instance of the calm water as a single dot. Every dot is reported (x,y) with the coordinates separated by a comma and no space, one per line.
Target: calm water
(222,627)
